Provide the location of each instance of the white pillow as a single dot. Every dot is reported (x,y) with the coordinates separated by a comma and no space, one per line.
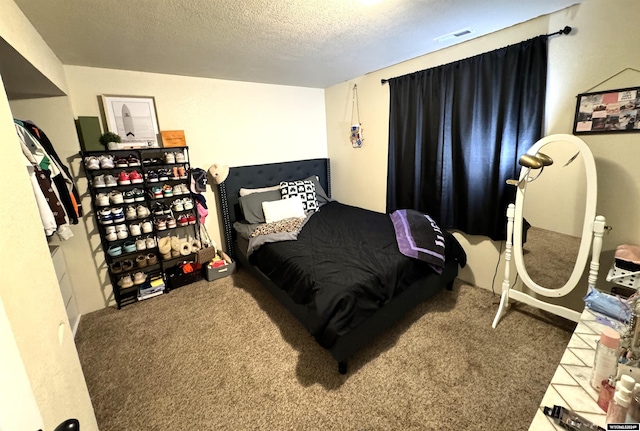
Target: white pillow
(282,209)
(244,192)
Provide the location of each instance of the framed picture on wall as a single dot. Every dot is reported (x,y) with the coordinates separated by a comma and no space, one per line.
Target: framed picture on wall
(133,118)
(608,111)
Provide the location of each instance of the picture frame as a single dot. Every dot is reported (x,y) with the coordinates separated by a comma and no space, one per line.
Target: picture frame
(133,118)
(611,111)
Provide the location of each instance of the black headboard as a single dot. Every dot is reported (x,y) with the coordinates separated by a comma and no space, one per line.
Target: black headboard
(256,176)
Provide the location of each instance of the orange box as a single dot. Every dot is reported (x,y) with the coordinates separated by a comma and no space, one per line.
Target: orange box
(173,138)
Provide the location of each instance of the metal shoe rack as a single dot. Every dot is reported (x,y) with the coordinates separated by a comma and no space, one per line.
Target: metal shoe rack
(128,233)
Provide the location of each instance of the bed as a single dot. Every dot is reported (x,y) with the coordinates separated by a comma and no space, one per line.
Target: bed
(342,274)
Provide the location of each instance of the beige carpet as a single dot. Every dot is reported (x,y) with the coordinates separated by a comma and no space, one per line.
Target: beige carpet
(226,356)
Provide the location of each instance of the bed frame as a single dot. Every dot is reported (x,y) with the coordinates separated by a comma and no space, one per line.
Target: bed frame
(256,176)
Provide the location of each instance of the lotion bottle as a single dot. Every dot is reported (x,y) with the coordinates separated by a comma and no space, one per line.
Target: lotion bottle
(605,363)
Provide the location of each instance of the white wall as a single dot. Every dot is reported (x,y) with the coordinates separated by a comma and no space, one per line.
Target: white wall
(598,48)
(237,123)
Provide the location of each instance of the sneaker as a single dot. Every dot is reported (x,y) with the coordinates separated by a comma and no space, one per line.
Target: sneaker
(151,242)
(122,163)
(182,173)
(138,195)
(106,161)
(130,213)
(152,176)
(102,199)
(141,261)
(156,192)
(111,236)
(143,211)
(157,209)
(183,220)
(123,178)
(121,231)
(167,191)
(118,215)
(188,203)
(136,177)
(178,205)
(133,160)
(163,174)
(115,197)
(98,181)
(129,246)
(135,229)
(110,181)
(125,282)
(105,216)
(128,197)
(147,227)
(169,158)
(171,223)
(176,175)
(139,277)
(192,219)
(180,158)
(141,244)
(92,163)
(161,224)
(114,250)
(177,190)
(109,229)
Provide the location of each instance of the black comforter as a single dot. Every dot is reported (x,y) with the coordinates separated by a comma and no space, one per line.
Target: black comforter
(344,265)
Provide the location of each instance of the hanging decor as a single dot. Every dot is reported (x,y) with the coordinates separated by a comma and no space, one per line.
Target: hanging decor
(355,132)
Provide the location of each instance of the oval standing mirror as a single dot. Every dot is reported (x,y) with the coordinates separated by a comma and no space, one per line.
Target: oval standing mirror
(578,185)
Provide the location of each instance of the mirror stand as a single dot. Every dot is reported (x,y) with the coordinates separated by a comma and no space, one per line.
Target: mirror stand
(591,241)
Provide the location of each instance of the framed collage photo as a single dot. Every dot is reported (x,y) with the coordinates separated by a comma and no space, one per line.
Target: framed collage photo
(608,111)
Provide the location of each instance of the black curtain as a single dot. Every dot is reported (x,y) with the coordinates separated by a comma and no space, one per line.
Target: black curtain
(456,133)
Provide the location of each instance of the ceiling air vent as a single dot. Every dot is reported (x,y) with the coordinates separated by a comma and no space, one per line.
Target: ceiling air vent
(455,34)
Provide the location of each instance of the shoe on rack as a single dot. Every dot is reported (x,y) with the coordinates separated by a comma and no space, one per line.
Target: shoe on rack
(129,246)
(138,195)
(133,160)
(143,211)
(152,176)
(98,181)
(171,223)
(147,227)
(116,198)
(188,203)
(182,173)
(178,205)
(118,215)
(176,175)
(121,162)
(110,181)
(163,174)
(105,216)
(139,277)
(192,219)
(169,158)
(156,192)
(102,199)
(92,163)
(127,265)
(116,267)
(114,250)
(177,190)
(111,236)
(151,242)
(106,161)
(152,259)
(121,232)
(131,213)
(141,244)
(180,158)
(125,282)
(167,191)
(124,178)
(135,229)
(161,224)
(183,220)
(141,261)
(184,188)
(127,197)
(136,177)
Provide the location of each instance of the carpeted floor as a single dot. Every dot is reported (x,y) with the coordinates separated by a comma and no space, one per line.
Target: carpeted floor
(226,356)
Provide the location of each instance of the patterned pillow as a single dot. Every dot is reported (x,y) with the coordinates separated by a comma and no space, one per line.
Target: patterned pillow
(304,189)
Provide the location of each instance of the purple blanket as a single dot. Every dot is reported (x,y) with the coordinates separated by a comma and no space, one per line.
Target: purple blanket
(419,237)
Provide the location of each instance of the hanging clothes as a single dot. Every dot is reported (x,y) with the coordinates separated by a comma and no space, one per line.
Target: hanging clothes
(56,195)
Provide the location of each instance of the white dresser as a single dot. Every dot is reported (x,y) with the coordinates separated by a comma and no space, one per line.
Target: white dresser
(65,287)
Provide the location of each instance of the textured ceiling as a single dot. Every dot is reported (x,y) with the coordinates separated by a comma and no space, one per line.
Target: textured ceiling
(309,43)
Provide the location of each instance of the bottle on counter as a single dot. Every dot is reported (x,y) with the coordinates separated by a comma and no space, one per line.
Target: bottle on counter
(606,392)
(619,405)
(633,413)
(605,363)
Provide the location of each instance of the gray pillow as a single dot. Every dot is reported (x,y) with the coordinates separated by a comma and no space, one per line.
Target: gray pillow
(251,205)
(321,195)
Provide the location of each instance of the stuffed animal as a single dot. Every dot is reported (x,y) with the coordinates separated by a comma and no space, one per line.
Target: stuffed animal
(219,172)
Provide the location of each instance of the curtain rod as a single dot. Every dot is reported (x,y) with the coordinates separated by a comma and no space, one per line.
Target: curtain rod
(565,30)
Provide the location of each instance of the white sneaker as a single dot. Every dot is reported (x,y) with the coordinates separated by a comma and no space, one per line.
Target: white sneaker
(141,244)
(134,229)
(151,242)
(143,212)
(188,203)
(92,163)
(116,197)
(147,227)
(106,161)
(180,158)
(169,158)
(102,199)
(98,181)
(125,282)
(110,181)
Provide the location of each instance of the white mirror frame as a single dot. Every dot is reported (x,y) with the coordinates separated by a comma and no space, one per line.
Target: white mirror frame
(592,232)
